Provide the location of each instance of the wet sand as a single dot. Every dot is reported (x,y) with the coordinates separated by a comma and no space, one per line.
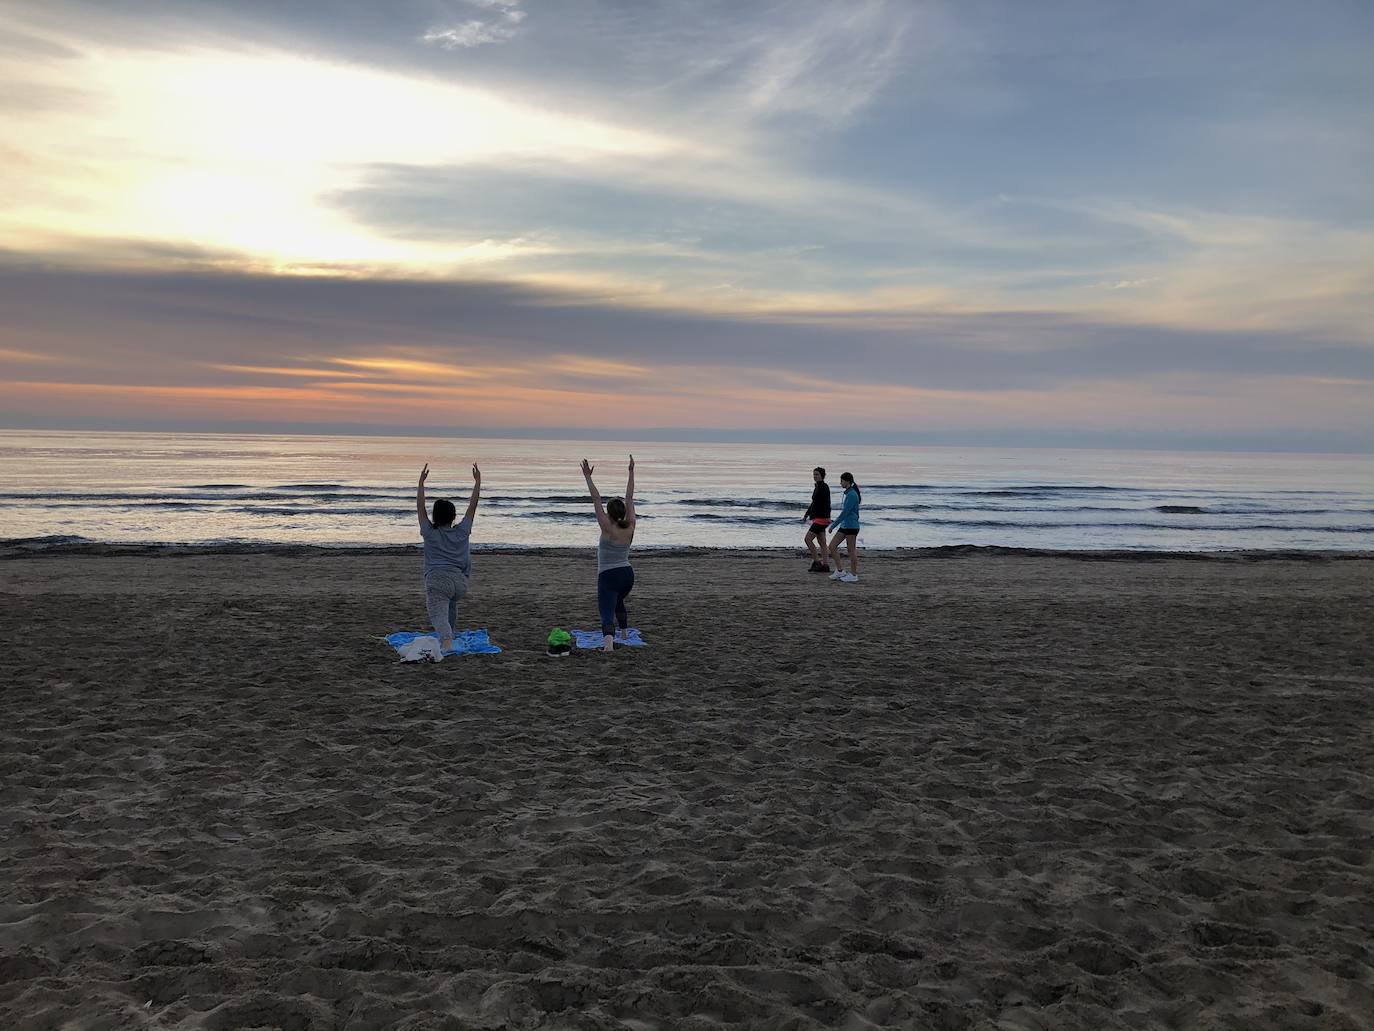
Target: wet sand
(974,791)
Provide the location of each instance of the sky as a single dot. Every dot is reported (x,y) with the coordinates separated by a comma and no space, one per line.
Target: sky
(1084,224)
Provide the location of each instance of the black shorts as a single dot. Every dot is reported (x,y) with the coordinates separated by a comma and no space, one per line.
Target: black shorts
(816,528)
(846,533)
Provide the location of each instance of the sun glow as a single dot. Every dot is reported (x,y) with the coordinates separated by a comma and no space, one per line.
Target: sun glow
(241,152)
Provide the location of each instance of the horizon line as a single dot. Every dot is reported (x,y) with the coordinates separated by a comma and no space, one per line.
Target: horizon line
(991,439)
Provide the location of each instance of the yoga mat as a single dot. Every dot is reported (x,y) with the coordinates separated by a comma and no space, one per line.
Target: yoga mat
(596,639)
(465,642)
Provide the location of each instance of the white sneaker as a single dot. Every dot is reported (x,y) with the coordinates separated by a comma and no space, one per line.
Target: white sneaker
(838,574)
(849,578)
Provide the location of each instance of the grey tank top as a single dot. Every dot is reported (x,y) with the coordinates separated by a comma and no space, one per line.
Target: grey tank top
(610,555)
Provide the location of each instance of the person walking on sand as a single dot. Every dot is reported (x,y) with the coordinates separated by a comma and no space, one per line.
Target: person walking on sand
(448,562)
(615,577)
(846,527)
(818,518)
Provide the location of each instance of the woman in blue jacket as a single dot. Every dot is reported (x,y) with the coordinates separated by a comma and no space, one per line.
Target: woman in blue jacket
(846,528)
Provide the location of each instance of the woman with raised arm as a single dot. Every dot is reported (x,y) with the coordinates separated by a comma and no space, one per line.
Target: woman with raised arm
(615,577)
(448,562)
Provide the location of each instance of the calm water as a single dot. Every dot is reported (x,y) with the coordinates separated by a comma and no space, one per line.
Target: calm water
(360,490)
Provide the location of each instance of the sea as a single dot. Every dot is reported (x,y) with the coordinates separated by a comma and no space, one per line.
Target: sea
(60,488)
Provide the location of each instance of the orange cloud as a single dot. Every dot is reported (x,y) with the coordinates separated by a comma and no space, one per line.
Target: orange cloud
(9,354)
(408,366)
(266,370)
(580,365)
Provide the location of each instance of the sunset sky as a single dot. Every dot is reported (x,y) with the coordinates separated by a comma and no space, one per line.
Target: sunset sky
(1089,223)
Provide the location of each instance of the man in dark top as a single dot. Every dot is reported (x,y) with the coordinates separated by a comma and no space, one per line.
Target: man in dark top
(818,516)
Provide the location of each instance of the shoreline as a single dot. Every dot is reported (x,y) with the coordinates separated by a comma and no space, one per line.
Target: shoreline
(65,547)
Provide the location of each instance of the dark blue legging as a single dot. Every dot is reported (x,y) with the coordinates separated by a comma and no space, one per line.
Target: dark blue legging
(612,587)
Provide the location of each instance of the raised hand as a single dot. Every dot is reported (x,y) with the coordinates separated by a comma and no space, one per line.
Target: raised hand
(476,474)
(632,463)
(587,469)
(424,473)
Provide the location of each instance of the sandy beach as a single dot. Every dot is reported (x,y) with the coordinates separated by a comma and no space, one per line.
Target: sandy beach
(974,791)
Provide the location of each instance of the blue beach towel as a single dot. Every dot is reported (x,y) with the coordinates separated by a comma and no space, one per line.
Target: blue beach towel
(465,642)
(596,639)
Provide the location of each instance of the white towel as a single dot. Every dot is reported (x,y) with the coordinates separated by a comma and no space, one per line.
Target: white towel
(422,649)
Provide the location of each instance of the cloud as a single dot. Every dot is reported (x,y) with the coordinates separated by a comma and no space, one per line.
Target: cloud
(402,366)
(469,34)
(830,62)
(13,354)
(596,368)
(736,66)
(1128,284)
(474,32)
(300,371)
(33,47)
(158,345)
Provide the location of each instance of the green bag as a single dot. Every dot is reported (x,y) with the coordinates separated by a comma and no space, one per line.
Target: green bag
(560,642)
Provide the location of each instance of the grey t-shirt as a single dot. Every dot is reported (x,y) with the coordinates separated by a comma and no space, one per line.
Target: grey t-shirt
(446,547)
(610,555)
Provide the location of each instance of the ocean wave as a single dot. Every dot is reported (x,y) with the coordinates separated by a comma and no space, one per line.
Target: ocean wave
(907,486)
(316,486)
(1028,488)
(1040,489)
(321,499)
(732,518)
(56,540)
(974,507)
(316,511)
(1270,510)
(738,503)
(545,499)
(1208,527)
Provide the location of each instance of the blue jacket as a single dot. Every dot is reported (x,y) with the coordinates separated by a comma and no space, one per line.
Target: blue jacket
(849,514)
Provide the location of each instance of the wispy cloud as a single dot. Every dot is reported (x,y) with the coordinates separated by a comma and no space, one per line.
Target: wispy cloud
(11,354)
(469,34)
(600,368)
(474,32)
(828,61)
(299,372)
(409,367)
(1127,284)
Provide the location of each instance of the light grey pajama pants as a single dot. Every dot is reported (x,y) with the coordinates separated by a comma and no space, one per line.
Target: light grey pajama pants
(444,588)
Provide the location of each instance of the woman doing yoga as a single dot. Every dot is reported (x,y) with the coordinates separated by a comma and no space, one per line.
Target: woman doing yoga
(615,577)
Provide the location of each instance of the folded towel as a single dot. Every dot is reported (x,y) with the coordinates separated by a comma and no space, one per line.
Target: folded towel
(418,647)
(596,639)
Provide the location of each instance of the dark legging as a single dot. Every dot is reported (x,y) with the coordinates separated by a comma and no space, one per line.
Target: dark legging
(612,587)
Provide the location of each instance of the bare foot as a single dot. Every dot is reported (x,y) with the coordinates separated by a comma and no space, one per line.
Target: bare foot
(610,644)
